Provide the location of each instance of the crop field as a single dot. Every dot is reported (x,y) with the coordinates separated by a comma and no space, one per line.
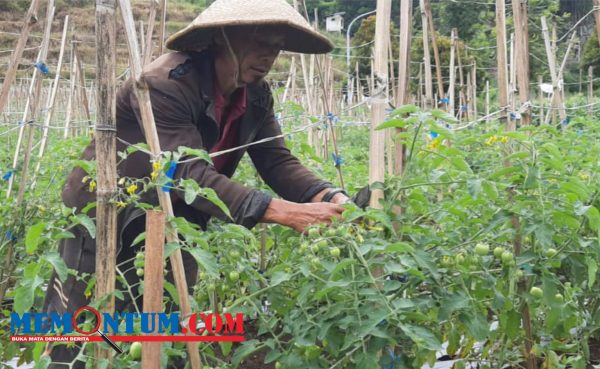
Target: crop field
(480,246)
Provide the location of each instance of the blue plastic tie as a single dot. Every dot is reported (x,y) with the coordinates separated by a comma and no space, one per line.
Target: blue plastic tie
(433,134)
(10,236)
(395,360)
(7,175)
(337,160)
(464,107)
(170,174)
(332,117)
(566,121)
(42,67)
(444,101)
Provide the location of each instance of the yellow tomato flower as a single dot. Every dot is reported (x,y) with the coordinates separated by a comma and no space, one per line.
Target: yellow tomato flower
(584,176)
(85,179)
(132,188)
(92,185)
(504,139)
(492,140)
(121,204)
(434,144)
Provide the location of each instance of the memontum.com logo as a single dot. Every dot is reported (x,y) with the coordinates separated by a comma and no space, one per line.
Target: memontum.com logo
(89,325)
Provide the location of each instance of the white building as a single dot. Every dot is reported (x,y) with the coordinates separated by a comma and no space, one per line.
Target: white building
(335,23)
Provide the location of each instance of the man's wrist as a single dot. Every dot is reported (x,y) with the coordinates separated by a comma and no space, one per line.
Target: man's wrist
(331,193)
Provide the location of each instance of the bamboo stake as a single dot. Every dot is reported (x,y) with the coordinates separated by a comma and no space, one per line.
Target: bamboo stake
(512,83)
(590,88)
(51,100)
(540,81)
(426,57)
(501,56)
(452,71)
(161,28)
(13,64)
(377,141)
(143,96)
(31,110)
(556,101)
(487,101)
(402,97)
(153,280)
(106,162)
(436,55)
(473,104)
(520,17)
(150,30)
(291,77)
(82,91)
(71,93)
(461,83)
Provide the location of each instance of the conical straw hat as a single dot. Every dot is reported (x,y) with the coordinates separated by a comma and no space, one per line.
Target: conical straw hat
(300,37)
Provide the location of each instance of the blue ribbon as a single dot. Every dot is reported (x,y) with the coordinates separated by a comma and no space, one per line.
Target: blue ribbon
(566,121)
(7,175)
(444,101)
(337,160)
(433,134)
(464,107)
(42,67)
(170,174)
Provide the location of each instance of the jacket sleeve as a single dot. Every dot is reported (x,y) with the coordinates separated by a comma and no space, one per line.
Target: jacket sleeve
(281,170)
(175,124)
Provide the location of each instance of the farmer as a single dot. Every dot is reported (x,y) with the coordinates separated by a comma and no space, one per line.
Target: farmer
(210,94)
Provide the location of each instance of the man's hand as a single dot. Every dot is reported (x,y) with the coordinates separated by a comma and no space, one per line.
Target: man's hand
(301,216)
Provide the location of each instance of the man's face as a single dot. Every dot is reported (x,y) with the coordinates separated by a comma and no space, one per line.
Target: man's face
(256,50)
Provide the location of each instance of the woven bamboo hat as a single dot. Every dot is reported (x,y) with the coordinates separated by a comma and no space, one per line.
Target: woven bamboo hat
(300,37)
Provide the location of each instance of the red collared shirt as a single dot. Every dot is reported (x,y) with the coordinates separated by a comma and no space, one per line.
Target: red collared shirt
(227,120)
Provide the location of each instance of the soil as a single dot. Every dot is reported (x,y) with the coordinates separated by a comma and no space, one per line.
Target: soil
(594,344)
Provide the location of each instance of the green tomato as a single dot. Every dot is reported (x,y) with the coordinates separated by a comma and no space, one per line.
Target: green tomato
(135,350)
(278,365)
(550,253)
(536,292)
(234,276)
(139,255)
(139,272)
(312,352)
(330,232)
(322,244)
(459,258)
(558,297)
(202,276)
(498,252)
(446,261)
(482,249)
(315,261)
(313,233)
(304,246)
(507,257)
(234,254)
(211,287)
(334,251)
(519,274)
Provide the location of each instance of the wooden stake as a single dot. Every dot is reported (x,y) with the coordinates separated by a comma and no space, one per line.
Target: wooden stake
(106,162)
(426,58)
(512,123)
(501,56)
(143,96)
(85,103)
(377,141)
(51,100)
(153,280)
(473,104)
(13,64)
(290,79)
(520,17)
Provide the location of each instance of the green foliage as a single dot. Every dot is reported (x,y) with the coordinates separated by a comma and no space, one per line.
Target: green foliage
(591,55)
